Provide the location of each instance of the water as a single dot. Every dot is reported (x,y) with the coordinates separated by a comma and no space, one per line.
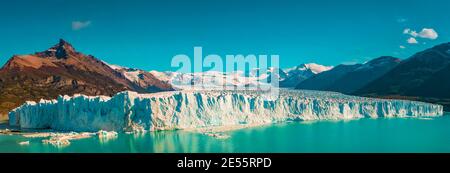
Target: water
(365,135)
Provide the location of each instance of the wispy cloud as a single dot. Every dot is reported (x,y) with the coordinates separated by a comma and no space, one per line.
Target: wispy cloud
(77,25)
(402,47)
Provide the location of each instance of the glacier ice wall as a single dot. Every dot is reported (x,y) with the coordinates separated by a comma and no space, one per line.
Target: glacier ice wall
(130,111)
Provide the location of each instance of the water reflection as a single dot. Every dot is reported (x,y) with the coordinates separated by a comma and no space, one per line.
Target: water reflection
(365,135)
(180,142)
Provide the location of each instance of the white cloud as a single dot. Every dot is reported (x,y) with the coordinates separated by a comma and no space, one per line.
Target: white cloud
(402,47)
(429,33)
(412,40)
(77,25)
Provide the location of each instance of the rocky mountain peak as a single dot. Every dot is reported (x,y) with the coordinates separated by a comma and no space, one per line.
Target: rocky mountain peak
(61,50)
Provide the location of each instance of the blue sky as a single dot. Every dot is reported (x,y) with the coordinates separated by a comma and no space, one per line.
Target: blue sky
(147,34)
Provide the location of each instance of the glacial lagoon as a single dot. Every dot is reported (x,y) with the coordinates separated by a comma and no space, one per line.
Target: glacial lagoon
(364,135)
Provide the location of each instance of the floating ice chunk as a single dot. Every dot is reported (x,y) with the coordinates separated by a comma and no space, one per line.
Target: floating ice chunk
(63,139)
(106,136)
(24,143)
(218,135)
(57,142)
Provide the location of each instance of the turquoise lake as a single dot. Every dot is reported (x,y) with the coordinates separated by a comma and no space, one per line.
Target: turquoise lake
(364,135)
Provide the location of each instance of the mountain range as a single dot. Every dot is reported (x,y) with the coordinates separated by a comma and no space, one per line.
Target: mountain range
(349,78)
(425,76)
(61,70)
(288,78)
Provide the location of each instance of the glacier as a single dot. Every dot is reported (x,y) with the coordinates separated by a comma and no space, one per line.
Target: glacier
(130,111)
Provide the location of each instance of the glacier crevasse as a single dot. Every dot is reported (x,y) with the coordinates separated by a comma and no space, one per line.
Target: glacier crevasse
(130,111)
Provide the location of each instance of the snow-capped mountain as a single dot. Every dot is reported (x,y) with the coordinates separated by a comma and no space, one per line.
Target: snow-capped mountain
(326,79)
(313,67)
(349,78)
(297,74)
(287,78)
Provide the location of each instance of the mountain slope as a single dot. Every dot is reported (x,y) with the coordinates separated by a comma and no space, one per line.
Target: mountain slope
(437,86)
(411,76)
(425,77)
(364,74)
(60,70)
(324,80)
(143,79)
(300,73)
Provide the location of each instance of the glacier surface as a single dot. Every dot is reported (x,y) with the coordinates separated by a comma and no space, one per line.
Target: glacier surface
(130,111)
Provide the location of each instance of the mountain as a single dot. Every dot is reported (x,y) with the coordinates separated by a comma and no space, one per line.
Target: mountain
(437,86)
(61,70)
(349,78)
(297,74)
(210,79)
(324,80)
(423,76)
(364,74)
(288,78)
(312,67)
(143,79)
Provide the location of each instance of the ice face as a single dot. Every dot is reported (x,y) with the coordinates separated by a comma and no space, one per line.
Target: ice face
(130,111)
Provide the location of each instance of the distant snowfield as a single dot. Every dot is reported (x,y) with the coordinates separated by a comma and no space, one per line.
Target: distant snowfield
(213,79)
(256,77)
(130,111)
